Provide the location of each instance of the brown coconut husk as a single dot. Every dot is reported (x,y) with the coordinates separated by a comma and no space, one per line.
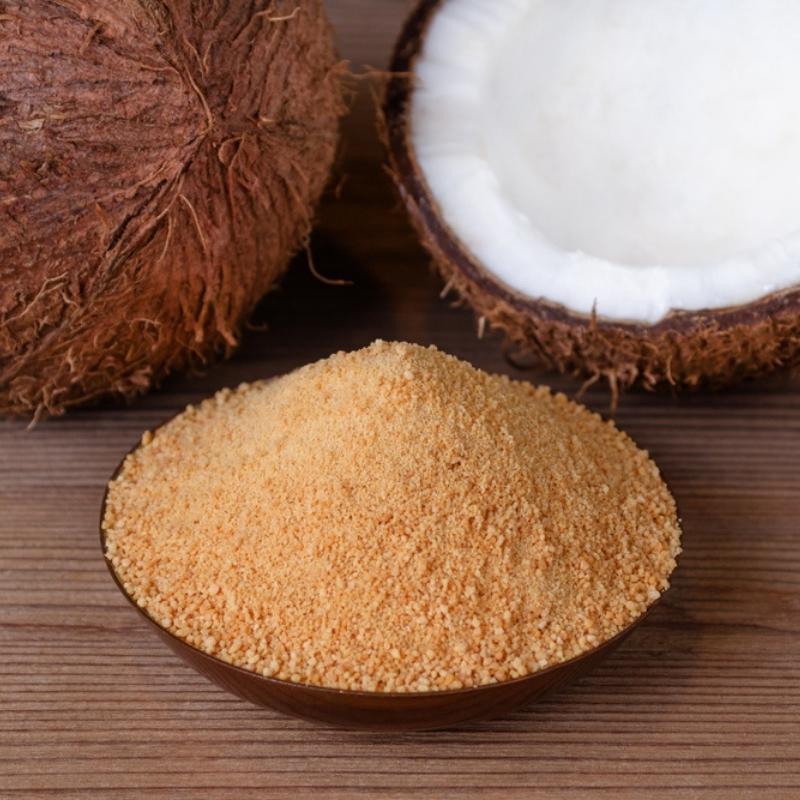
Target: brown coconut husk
(686,349)
(159,164)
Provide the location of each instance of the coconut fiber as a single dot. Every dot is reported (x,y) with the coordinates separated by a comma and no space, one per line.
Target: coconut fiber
(159,163)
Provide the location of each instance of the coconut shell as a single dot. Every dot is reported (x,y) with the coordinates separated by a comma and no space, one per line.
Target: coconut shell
(685,349)
(159,164)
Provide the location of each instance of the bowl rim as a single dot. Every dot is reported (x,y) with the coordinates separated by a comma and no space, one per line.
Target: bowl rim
(279,683)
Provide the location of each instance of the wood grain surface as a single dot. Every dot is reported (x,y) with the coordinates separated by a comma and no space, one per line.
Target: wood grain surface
(703,702)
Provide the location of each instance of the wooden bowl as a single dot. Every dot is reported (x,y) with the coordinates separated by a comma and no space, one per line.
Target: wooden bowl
(386,711)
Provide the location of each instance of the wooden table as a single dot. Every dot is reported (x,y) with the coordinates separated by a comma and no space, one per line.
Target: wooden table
(704,701)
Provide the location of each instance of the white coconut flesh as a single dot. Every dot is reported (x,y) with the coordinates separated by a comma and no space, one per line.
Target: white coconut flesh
(631,156)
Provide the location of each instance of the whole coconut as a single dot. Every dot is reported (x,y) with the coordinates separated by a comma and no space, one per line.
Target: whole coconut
(159,163)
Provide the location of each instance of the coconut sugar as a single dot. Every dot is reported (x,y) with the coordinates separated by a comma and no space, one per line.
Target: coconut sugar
(391,519)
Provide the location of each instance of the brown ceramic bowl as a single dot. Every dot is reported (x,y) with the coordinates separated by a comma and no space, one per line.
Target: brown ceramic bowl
(387,711)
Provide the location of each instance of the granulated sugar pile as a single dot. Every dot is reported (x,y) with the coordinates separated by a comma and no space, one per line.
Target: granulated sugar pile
(394,520)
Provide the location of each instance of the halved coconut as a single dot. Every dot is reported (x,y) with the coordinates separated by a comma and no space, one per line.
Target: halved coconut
(613,184)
